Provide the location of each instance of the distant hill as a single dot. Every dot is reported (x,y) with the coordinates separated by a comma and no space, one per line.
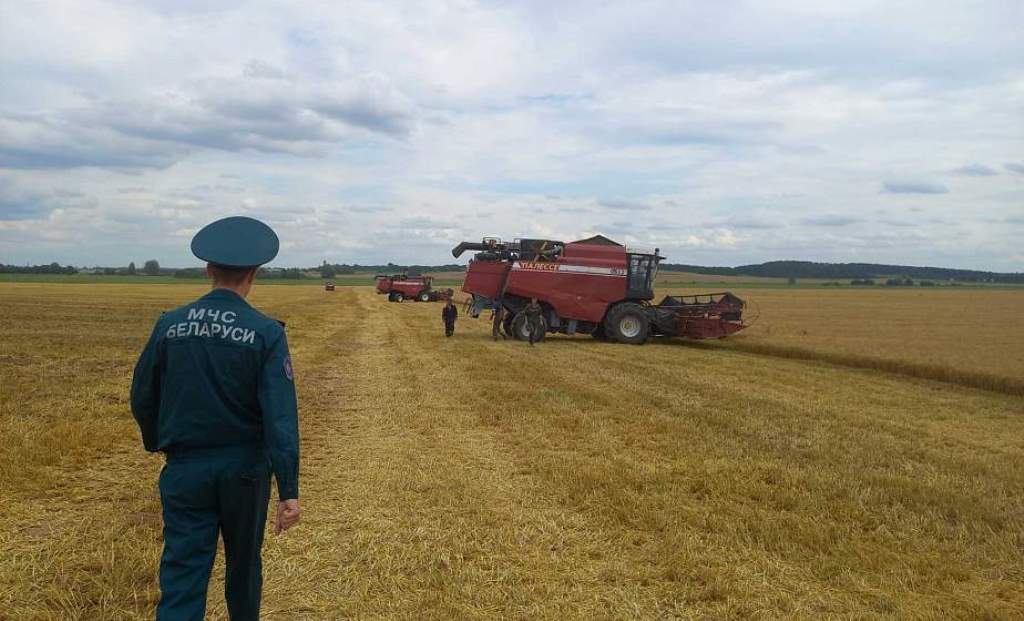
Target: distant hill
(810,269)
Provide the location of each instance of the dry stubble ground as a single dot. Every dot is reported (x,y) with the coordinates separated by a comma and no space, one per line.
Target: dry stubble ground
(972,336)
(461,478)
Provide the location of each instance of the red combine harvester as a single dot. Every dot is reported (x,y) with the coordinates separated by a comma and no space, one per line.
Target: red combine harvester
(398,287)
(592,286)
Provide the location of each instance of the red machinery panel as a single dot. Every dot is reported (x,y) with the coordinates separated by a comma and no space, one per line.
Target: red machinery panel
(486,278)
(580,284)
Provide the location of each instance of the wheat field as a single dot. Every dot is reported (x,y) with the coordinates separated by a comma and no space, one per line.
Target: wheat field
(467,479)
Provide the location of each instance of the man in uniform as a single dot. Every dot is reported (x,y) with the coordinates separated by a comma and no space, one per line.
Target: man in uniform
(448,315)
(213,391)
(533,311)
(497,317)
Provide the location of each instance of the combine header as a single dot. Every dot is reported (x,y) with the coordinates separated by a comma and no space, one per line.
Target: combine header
(592,286)
(398,287)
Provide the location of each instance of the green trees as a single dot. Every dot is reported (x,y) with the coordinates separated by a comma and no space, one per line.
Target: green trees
(327,270)
(900,281)
(52,268)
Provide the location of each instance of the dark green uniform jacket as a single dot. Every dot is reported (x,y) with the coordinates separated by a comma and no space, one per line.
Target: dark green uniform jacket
(533,313)
(449,314)
(217,373)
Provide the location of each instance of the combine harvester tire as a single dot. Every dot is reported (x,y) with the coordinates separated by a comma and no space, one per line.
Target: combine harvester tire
(628,323)
(522,333)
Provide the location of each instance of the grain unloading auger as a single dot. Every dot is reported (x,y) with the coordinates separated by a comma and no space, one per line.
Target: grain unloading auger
(592,286)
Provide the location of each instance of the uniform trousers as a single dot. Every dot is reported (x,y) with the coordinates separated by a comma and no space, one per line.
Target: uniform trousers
(205,494)
(533,325)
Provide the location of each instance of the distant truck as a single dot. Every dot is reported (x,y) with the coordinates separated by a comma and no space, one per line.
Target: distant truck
(399,287)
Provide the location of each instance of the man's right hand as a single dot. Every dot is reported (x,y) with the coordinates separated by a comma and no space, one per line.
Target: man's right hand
(288,515)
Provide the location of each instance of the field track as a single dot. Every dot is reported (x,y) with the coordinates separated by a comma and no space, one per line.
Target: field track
(462,478)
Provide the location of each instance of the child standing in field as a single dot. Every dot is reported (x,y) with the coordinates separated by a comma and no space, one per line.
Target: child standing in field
(448,315)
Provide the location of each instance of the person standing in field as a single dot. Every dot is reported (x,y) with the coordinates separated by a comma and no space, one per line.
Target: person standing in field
(533,312)
(213,391)
(497,316)
(448,315)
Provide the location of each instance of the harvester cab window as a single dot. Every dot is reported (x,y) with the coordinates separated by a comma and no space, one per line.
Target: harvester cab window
(640,278)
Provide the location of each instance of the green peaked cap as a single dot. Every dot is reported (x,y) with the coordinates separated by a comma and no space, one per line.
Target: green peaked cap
(237,241)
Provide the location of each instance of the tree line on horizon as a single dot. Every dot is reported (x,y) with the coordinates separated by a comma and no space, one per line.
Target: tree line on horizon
(791,270)
(855,271)
(330,270)
(152,267)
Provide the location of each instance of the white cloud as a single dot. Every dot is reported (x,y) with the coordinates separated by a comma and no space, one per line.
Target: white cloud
(914,187)
(976,170)
(723,133)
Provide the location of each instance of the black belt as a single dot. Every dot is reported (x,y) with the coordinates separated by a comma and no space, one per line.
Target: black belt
(198,452)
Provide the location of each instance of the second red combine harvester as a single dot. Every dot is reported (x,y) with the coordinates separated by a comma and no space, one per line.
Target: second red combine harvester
(399,287)
(592,286)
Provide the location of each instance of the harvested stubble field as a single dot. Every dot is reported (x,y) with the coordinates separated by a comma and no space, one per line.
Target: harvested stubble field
(970,336)
(462,478)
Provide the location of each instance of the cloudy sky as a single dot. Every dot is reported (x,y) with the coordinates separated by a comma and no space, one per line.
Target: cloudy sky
(722,132)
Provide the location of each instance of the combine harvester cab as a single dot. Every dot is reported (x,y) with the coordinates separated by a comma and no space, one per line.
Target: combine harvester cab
(399,287)
(593,286)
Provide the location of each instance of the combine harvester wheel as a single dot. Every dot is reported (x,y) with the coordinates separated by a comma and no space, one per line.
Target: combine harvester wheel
(628,323)
(522,333)
(424,296)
